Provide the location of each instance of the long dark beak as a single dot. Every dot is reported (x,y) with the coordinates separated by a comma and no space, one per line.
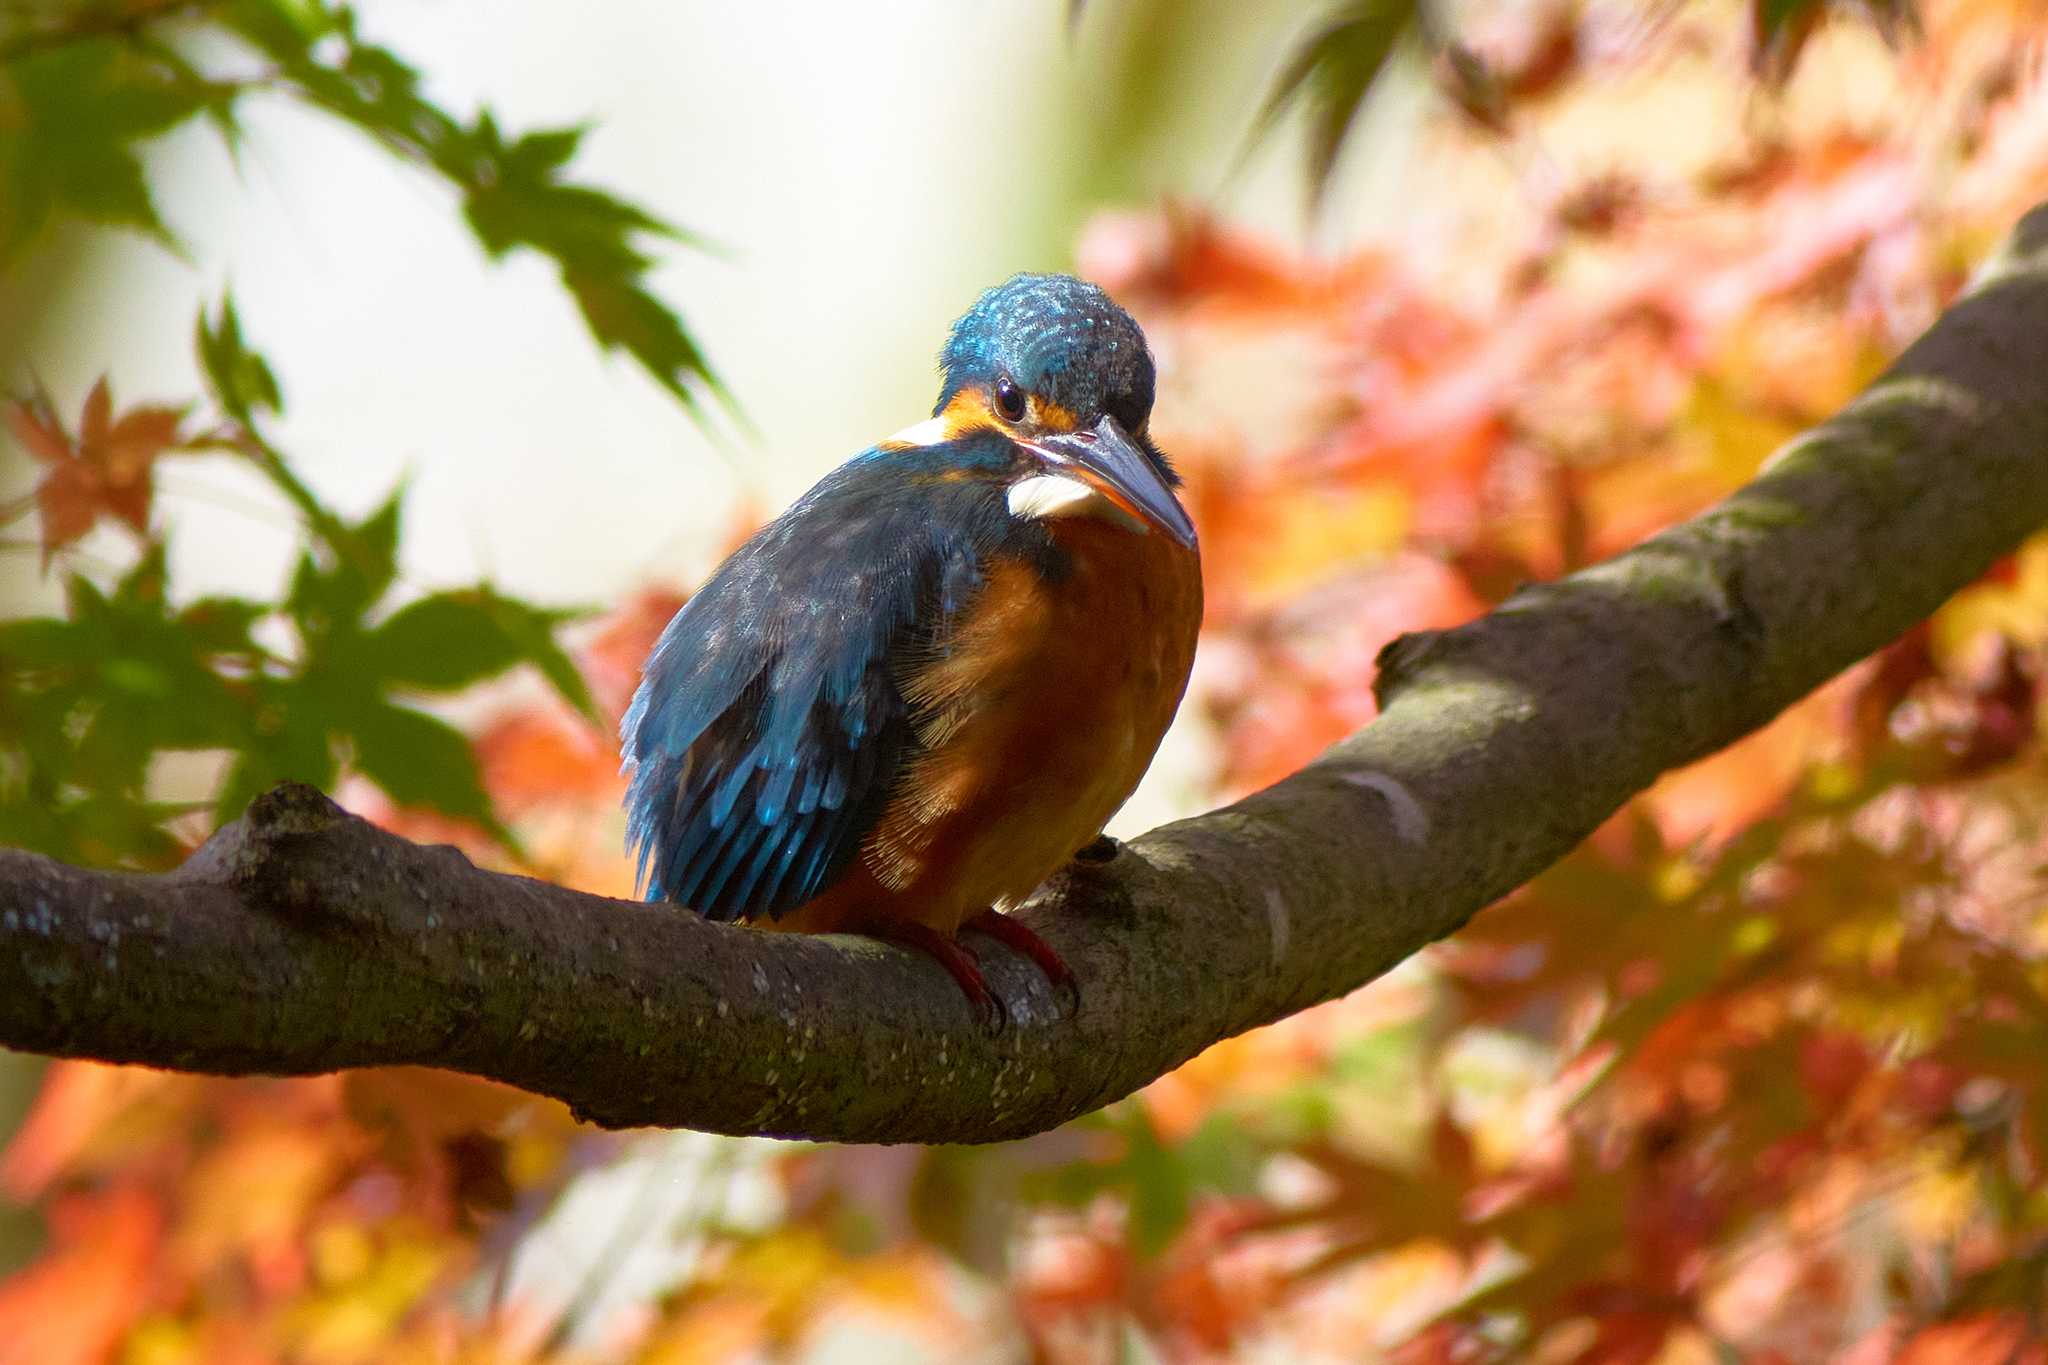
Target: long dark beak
(1121,472)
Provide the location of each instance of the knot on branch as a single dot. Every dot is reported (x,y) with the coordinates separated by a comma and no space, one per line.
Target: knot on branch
(276,834)
(292,809)
(257,854)
(296,854)
(1398,660)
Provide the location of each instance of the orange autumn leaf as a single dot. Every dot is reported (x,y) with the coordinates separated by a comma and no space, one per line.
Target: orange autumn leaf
(1069,1273)
(613,658)
(1183,256)
(537,757)
(84,1108)
(1727,792)
(105,472)
(246,1201)
(708,1330)
(74,1304)
(1985,1339)
(1215,1285)
(1628,1337)
(417,1106)
(1299,679)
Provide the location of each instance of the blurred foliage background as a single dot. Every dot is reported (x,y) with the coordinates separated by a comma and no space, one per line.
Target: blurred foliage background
(382,377)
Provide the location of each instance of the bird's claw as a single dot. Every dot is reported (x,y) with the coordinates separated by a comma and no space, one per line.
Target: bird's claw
(1014,935)
(994,1016)
(989,1011)
(948,953)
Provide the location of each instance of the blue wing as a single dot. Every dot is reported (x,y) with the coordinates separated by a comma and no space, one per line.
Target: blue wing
(769,728)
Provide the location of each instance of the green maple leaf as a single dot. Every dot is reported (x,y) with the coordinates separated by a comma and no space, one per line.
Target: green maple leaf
(70,120)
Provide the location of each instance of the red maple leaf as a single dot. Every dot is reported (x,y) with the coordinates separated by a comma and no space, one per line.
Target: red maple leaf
(105,472)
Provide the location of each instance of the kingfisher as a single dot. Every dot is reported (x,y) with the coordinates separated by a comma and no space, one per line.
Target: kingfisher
(904,703)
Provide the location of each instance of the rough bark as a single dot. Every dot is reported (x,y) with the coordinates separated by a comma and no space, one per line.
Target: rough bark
(302,939)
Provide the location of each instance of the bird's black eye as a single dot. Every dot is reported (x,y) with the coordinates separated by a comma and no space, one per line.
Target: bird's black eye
(1009,400)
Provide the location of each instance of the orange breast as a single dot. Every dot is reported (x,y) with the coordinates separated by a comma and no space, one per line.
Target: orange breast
(1037,725)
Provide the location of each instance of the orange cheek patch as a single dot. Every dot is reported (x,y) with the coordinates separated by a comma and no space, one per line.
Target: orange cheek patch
(970,411)
(967,413)
(1051,417)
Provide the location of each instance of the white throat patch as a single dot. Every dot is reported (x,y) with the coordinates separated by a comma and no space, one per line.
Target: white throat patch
(1044,496)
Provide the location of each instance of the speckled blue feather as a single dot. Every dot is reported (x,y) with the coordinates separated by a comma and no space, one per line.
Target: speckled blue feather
(1059,337)
(770,725)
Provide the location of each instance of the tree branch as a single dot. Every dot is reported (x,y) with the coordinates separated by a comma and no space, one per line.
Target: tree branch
(302,939)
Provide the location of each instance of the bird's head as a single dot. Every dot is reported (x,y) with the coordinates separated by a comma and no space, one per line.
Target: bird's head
(1053,366)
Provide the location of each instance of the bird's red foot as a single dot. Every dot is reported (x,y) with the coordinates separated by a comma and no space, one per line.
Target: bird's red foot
(1013,934)
(948,953)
